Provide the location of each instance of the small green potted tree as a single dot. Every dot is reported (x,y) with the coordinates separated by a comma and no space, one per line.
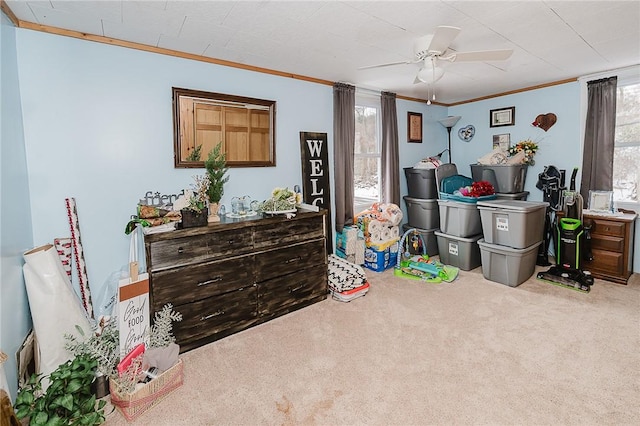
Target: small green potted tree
(216,166)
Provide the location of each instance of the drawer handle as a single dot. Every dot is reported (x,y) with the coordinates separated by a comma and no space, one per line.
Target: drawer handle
(231,241)
(215,314)
(295,259)
(180,250)
(211,281)
(294,289)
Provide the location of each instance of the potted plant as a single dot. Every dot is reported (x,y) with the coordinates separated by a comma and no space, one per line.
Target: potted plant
(216,166)
(103,347)
(67,401)
(195,214)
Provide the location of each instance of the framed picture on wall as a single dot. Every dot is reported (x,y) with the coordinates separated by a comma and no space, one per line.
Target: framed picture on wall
(414,127)
(503,141)
(502,117)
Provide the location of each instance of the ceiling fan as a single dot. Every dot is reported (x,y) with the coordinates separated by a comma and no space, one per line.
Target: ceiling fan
(432,48)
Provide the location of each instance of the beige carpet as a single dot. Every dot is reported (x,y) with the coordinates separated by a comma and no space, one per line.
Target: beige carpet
(411,353)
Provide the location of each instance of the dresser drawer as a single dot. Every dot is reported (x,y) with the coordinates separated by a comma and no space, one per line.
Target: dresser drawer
(606,242)
(288,232)
(606,262)
(199,248)
(214,315)
(286,293)
(190,283)
(607,227)
(278,262)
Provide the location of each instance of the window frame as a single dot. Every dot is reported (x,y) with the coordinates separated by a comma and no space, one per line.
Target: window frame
(371,101)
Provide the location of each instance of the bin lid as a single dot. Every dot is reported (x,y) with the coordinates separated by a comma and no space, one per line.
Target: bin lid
(471,239)
(408,199)
(467,200)
(497,248)
(515,205)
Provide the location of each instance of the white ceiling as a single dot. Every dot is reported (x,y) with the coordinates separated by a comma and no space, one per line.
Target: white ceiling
(330,40)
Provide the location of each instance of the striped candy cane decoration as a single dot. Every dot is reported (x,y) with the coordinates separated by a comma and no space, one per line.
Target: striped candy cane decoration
(85,292)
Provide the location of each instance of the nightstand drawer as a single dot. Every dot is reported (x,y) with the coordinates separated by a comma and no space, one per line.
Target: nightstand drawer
(605,242)
(606,262)
(284,261)
(190,283)
(198,248)
(607,227)
(215,315)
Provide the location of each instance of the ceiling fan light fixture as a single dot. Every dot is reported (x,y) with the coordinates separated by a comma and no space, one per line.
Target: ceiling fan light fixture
(430,74)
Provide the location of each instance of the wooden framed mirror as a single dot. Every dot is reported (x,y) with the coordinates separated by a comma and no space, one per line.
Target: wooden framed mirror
(244,126)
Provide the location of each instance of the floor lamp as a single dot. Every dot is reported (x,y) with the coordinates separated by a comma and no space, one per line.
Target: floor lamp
(449,122)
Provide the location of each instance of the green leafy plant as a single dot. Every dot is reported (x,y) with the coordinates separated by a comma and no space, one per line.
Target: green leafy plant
(102,346)
(195,154)
(216,165)
(67,401)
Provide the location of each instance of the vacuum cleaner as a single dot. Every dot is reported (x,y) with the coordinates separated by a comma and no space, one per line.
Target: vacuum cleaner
(571,244)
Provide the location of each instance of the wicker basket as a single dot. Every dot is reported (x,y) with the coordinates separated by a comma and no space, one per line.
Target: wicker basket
(132,405)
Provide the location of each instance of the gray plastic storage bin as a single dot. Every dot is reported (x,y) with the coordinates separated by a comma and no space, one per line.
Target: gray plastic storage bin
(506,265)
(459,219)
(422,213)
(429,237)
(504,178)
(512,223)
(421,183)
(457,251)
(515,196)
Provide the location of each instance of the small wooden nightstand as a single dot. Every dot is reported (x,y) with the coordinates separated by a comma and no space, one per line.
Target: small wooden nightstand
(612,240)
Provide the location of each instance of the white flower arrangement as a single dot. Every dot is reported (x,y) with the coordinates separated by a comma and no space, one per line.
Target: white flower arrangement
(282,199)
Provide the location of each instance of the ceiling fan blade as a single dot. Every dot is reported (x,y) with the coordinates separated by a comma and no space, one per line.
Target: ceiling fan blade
(442,38)
(387,65)
(480,55)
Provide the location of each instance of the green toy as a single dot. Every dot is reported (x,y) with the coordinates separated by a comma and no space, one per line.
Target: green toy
(420,267)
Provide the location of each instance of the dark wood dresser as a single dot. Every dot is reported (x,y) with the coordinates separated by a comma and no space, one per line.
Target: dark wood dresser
(612,246)
(232,275)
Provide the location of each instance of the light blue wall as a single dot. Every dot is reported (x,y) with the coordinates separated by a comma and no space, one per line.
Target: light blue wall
(98,127)
(434,139)
(559,146)
(15,215)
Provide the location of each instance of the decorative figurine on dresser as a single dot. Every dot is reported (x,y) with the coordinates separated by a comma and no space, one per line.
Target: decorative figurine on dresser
(237,273)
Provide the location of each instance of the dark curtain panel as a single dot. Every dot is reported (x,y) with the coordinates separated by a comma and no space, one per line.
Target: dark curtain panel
(599,137)
(344,136)
(390,158)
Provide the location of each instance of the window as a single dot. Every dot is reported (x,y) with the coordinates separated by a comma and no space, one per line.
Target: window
(367,153)
(626,154)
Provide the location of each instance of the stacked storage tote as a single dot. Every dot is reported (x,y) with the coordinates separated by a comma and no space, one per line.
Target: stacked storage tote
(507,179)
(422,206)
(460,227)
(513,230)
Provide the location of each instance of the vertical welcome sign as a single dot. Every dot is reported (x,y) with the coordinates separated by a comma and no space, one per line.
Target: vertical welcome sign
(315,176)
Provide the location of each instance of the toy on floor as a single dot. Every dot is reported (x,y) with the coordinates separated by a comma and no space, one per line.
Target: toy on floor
(420,267)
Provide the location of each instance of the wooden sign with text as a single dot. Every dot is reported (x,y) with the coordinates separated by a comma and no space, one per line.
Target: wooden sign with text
(316,189)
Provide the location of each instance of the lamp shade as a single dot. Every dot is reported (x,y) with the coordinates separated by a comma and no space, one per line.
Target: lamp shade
(449,121)
(430,73)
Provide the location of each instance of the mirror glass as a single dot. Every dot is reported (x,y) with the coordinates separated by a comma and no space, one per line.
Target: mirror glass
(244,126)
